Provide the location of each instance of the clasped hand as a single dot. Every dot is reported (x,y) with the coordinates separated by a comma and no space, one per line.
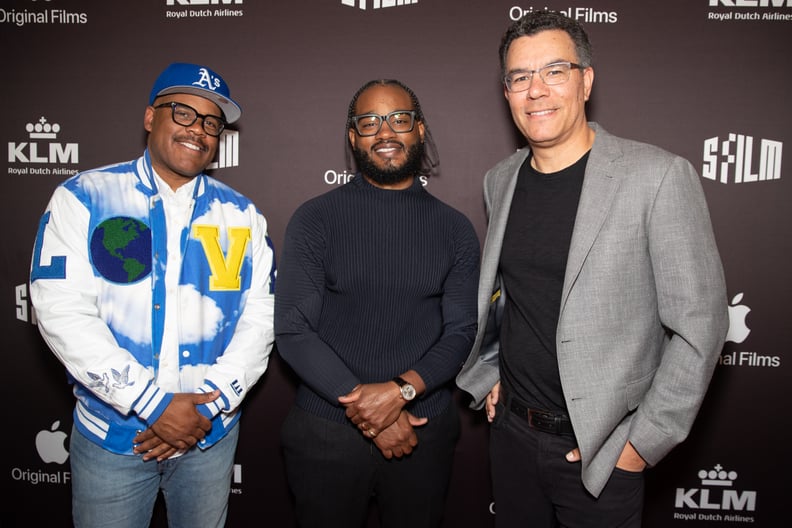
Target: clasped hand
(179,427)
(377,410)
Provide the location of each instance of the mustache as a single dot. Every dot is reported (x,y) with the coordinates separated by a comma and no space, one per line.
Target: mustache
(387,142)
(195,140)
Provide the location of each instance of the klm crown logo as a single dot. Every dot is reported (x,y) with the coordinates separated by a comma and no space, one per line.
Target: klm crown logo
(717,476)
(42,129)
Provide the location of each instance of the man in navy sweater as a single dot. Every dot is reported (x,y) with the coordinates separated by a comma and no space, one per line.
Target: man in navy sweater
(375,311)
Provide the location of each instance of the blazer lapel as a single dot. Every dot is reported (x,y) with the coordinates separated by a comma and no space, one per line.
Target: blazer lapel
(600,184)
(501,197)
(500,193)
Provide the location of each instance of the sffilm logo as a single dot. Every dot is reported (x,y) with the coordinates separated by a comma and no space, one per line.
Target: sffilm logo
(201,2)
(236,480)
(733,159)
(377,4)
(227,150)
(24,311)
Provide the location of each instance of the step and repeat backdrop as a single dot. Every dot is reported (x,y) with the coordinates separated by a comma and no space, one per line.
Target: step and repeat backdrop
(707,79)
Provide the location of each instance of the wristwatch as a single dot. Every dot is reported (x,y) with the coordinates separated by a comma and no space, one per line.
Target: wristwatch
(407,390)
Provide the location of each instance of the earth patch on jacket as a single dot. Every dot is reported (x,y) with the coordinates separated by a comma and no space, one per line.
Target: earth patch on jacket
(121,250)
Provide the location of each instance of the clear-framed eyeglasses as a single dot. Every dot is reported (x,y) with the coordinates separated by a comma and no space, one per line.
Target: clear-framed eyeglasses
(400,121)
(185,115)
(552,74)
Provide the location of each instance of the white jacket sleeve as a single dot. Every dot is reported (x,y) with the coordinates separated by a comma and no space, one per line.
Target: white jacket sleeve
(64,295)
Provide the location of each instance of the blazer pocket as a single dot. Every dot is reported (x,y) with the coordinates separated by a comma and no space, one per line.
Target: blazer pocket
(636,390)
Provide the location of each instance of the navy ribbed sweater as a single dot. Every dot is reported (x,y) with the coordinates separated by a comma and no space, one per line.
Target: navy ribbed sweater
(372,283)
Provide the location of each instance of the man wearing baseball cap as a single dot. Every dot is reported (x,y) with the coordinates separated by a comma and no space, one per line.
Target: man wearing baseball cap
(153,284)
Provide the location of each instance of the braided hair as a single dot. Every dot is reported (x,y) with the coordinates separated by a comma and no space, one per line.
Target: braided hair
(430,159)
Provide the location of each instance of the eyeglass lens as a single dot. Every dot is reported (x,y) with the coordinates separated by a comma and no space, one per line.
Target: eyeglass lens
(399,121)
(551,74)
(185,116)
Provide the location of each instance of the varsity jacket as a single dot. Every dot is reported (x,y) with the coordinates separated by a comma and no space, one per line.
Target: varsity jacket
(98,290)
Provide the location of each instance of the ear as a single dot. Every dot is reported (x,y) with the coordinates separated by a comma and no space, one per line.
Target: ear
(352,137)
(421,130)
(588,82)
(148,118)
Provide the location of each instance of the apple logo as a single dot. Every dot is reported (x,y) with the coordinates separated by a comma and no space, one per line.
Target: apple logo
(50,444)
(738,330)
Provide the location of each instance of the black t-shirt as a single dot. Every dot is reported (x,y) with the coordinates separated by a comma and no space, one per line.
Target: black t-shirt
(532,265)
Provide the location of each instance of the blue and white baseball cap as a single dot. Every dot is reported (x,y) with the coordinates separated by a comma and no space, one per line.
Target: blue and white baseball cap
(181,77)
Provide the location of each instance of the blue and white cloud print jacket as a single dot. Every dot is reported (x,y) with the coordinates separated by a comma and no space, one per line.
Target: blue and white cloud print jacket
(99,293)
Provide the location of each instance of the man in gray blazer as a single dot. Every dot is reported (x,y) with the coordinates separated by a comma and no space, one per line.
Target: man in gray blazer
(602,304)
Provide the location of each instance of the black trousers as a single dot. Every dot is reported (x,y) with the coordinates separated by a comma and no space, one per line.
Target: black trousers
(334,472)
(534,485)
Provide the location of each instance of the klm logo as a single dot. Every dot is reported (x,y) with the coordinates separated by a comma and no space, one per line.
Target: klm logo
(377,4)
(227,150)
(715,497)
(750,3)
(41,147)
(739,159)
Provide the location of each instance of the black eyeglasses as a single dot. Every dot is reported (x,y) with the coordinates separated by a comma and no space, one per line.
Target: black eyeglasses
(187,115)
(400,121)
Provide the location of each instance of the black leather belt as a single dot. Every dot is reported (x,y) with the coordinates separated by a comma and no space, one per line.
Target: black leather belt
(542,420)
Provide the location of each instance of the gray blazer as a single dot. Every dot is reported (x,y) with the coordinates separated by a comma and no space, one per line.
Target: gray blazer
(643,308)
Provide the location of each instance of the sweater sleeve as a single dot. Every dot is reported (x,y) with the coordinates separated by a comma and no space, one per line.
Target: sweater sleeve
(298,307)
(459,311)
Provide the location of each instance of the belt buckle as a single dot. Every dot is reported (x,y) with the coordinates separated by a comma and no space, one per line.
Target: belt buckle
(543,421)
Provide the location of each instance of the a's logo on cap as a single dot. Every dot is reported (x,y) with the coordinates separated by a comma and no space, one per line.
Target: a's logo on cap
(207,81)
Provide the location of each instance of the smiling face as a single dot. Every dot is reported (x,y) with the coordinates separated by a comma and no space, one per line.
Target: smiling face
(387,159)
(179,153)
(550,117)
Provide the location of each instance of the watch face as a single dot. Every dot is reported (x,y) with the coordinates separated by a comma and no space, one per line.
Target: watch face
(408,392)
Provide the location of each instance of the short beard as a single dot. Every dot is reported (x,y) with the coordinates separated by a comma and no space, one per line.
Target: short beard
(390,175)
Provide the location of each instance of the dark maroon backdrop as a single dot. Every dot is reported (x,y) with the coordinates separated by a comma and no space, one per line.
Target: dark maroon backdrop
(707,79)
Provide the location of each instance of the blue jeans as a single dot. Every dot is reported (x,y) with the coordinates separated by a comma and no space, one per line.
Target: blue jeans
(119,491)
